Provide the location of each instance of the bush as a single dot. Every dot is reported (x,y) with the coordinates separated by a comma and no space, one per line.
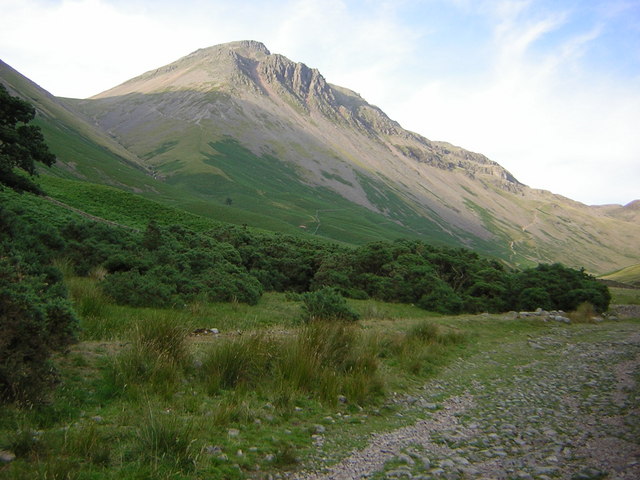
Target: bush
(558,287)
(140,290)
(442,299)
(174,266)
(36,320)
(326,304)
(534,297)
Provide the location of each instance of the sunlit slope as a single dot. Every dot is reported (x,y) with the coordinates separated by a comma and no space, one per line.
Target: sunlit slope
(90,155)
(237,122)
(629,275)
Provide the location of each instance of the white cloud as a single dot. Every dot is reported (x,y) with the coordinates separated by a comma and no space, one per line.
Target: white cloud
(538,113)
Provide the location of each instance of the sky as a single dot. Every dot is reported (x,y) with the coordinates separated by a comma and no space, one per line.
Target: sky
(550,89)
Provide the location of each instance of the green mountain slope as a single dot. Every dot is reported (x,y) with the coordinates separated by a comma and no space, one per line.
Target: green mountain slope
(236,120)
(237,134)
(629,275)
(87,154)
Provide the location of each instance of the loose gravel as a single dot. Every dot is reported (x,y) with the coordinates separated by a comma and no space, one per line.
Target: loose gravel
(565,405)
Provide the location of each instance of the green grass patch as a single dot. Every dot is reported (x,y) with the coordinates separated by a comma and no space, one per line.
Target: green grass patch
(629,275)
(625,296)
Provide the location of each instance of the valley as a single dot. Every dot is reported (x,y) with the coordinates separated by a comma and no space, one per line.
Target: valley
(239,270)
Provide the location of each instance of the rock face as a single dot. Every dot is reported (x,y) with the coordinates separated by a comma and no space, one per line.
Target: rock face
(333,139)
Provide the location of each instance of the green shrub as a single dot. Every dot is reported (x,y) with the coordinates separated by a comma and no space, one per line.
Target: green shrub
(534,297)
(140,290)
(558,287)
(442,299)
(36,320)
(326,304)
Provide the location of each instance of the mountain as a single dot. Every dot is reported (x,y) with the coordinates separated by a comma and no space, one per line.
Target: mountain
(86,152)
(234,125)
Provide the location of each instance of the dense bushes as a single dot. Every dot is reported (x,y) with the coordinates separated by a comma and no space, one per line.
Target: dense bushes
(439,279)
(170,267)
(558,287)
(452,281)
(36,319)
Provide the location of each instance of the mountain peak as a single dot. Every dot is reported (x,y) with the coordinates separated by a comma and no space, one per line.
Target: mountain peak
(248,48)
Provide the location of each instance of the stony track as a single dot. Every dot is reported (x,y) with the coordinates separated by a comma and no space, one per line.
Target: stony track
(564,405)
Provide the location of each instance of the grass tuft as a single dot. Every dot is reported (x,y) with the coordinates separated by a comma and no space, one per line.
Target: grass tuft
(156,357)
(241,361)
(585,313)
(166,440)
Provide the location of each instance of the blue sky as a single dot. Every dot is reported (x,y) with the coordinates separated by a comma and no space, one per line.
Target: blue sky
(550,89)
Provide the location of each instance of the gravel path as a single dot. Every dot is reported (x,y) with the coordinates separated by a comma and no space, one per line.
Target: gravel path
(565,405)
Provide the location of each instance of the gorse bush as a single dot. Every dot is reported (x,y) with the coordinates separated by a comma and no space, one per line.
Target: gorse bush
(174,266)
(453,281)
(326,304)
(36,318)
(558,287)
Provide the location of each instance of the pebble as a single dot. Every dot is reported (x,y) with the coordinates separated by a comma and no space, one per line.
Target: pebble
(6,457)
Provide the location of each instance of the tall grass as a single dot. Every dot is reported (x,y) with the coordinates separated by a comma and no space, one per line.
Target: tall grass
(165,439)
(244,361)
(94,308)
(323,359)
(156,357)
(584,313)
(421,349)
(329,359)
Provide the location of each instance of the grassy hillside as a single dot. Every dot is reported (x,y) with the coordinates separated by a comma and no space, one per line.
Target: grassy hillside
(629,275)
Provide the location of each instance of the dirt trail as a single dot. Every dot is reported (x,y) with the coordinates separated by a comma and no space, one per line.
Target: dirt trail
(563,406)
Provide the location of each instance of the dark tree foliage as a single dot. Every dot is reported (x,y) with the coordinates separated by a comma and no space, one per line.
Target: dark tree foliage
(172,266)
(21,145)
(280,262)
(558,287)
(439,279)
(452,281)
(36,319)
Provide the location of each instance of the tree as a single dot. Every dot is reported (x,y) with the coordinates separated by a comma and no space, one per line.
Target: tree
(21,145)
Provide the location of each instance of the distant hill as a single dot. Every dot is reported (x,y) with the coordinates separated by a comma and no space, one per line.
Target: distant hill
(629,275)
(238,134)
